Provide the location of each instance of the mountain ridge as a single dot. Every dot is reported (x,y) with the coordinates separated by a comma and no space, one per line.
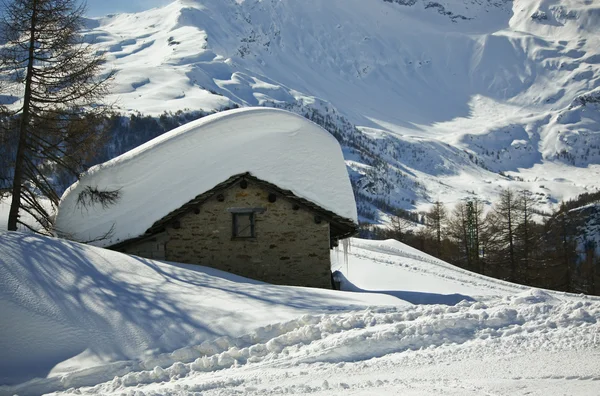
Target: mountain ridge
(445,104)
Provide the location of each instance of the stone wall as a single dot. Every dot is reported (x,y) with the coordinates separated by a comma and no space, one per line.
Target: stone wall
(290,248)
(153,247)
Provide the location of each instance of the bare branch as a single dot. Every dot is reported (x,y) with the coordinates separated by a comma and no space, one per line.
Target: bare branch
(92,196)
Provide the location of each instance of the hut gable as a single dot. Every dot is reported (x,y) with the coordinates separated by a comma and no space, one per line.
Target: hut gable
(251,228)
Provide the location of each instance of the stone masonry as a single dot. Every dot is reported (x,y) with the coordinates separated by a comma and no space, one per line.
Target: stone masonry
(153,247)
(290,247)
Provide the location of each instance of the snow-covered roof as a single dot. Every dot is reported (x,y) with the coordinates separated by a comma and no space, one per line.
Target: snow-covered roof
(163,174)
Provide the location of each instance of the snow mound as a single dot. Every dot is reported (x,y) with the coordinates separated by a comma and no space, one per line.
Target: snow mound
(160,176)
(85,320)
(533,296)
(68,307)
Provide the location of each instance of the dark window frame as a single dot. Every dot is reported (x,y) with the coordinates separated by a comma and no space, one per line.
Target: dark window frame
(235,231)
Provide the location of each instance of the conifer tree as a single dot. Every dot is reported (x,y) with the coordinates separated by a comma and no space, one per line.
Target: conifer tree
(525,234)
(505,220)
(59,81)
(399,225)
(465,226)
(436,218)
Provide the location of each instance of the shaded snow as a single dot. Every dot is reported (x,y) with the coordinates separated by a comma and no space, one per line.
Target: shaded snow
(162,175)
(96,322)
(72,306)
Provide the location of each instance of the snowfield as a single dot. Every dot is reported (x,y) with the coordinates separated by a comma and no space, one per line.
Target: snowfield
(73,306)
(84,320)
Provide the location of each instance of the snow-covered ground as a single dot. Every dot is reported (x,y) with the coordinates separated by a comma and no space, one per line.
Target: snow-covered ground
(84,320)
(394,268)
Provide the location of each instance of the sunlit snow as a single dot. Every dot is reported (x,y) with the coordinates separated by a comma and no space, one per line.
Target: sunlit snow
(84,320)
(447,88)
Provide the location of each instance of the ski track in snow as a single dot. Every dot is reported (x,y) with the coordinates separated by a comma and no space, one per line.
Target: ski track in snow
(382,252)
(348,345)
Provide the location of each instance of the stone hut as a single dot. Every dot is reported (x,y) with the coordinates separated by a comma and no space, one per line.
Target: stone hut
(257,192)
(248,227)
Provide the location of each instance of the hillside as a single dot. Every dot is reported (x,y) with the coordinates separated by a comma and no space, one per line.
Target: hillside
(84,320)
(430,100)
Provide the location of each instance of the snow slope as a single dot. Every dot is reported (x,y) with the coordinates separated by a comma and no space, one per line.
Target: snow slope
(67,306)
(446,95)
(91,321)
(167,172)
(424,279)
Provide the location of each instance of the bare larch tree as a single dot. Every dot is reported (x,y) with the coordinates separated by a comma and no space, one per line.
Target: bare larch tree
(60,81)
(436,221)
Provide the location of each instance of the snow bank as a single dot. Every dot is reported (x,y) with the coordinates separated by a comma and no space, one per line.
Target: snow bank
(96,322)
(67,306)
(345,346)
(167,172)
(349,337)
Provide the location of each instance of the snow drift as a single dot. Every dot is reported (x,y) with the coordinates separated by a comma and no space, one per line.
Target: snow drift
(80,320)
(67,306)
(160,176)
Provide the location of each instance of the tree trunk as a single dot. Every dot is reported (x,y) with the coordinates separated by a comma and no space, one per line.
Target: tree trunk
(513,266)
(13,215)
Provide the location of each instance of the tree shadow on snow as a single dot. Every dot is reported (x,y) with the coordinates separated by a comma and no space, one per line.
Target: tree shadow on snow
(57,311)
(60,299)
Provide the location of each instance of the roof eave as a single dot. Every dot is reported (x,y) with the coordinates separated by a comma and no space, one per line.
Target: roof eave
(345,227)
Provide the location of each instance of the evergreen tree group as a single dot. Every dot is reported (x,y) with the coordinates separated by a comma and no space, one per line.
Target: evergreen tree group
(512,241)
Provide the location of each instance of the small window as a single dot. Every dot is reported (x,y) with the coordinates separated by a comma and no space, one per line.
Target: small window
(243,225)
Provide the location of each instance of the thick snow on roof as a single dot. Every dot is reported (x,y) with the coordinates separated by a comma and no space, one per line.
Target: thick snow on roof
(160,176)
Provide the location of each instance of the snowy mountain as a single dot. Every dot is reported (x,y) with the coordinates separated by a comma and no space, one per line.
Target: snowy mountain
(89,321)
(430,99)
